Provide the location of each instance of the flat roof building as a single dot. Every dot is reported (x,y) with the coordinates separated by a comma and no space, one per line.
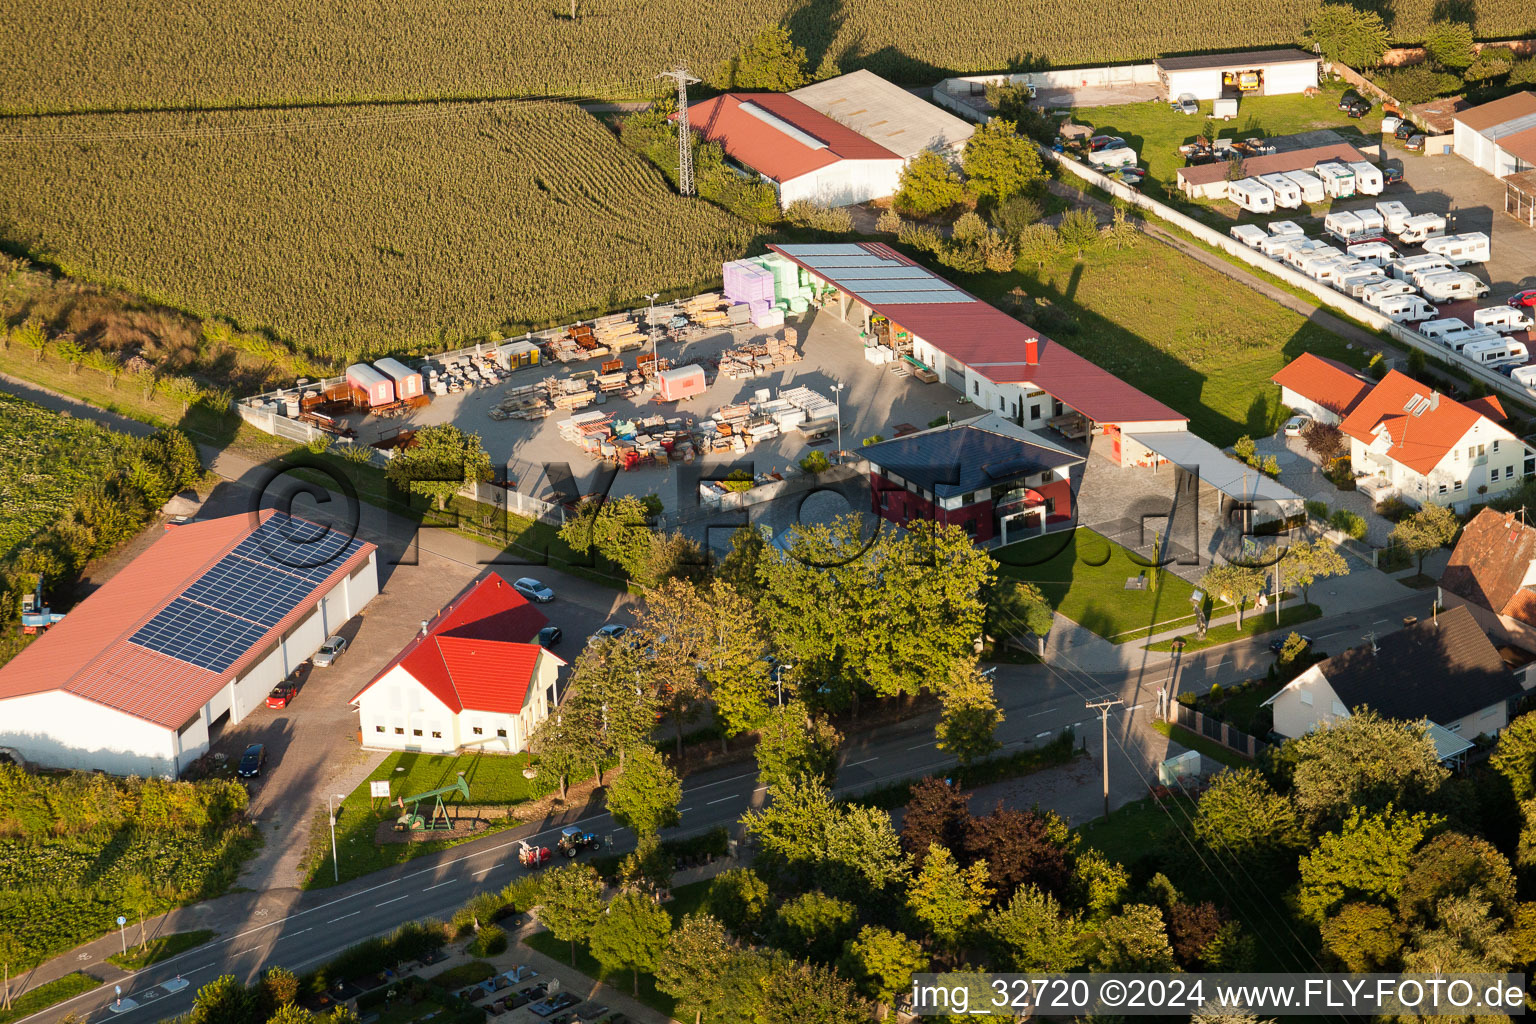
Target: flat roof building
(886,114)
(1209,76)
(1499,137)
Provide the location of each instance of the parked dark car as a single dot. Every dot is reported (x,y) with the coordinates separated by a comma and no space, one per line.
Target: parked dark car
(1358,109)
(611,631)
(1414,143)
(1405,130)
(550,636)
(1350,97)
(1392,174)
(252,761)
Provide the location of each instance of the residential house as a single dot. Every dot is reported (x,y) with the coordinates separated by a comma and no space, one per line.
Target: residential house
(474,677)
(987,475)
(1492,573)
(1407,440)
(1323,389)
(1442,670)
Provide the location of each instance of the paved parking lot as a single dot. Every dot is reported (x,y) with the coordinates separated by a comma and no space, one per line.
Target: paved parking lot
(874,401)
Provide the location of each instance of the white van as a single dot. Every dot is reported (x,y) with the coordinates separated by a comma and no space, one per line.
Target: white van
(1404,268)
(1252,195)
(1444,329)
(1525,376)
(1496,352)
(1451,285)
(1311,186)
(1338,180)
(1249,234)
(1287,195)
(1419,229)
(1405,309)
(1354,282)
(1394,213)
(1368,180)
(1472,247)
(1502,319)
(1386,288)
(1377,254)
(1286,229)
(1342,225)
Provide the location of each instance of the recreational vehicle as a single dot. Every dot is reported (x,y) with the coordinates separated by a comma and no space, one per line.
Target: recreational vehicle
(1419,229)
(1394,213)
(1286,229)
(1110,159)
(1368,180)
(1342,225)
(1471,247)
(1525,376)
(1287,195)
(1252,195)
(1451,286)
(1250,235)
(1421,274)
(1494,352)
(1386,288)
(1338,180)
(1444,329)
(1405,309)
(1327,269)
(1311,186)
(1502,319)
(1354,282)
(1403,269)
(1276,246)
(1377,254)
(1303,249)
(1471,336)
(1371,222)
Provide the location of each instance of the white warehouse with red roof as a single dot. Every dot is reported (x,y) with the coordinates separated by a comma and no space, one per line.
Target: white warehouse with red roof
(474,677)
(191,634)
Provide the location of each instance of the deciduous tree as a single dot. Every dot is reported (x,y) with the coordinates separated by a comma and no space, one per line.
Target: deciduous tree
(734,666)
(969,717)
(771,62)
(630,932)
(1361,762)
(740,900)
(797,993)
(865,860)
(692,964)
(609,691)
(645,796)
(1034,933)
(1428,530)
(442,460)
(674,627)
(792,828)
(1449,44)
(815,925)
(1349,35)
(1021,848)
(1233,585)
(560,749)
(1366,861)
(999,162)
(937,812)
(948,899)
(1455,865)
(1514,756)
(1363,937)
(927,186)
(1305,563)
(796,745)
(1133,940)
(571,902)
(881,963)
(1243,821)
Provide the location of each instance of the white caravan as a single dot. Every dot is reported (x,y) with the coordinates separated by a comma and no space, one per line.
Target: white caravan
(1444,329)
(1250,235)
(1420,229)
(1525,376)
(1287,195)
(1311,186)
(1377,254)
(1368,180)
(1496,352)
(1471,247)
(1354,282)
(1405,309)
(1394,213)
(1472,336)
(1252,195)
(1502,319)
(1403,269)
(1286,229)
(1451,286)
(1338,179)
(1386,288)
(1342,225)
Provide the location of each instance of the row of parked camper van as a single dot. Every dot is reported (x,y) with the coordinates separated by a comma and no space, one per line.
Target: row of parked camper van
(1287,190)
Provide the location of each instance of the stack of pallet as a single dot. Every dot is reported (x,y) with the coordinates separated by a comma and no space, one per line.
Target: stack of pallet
(705,310)
(569,393)
(617,333)
(609,383)
(588,431)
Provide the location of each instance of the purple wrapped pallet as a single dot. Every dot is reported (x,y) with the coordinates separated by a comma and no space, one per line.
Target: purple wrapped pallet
(745,281)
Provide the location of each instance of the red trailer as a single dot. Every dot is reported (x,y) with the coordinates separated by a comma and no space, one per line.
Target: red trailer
(681,383)
(407,381)
(375,388)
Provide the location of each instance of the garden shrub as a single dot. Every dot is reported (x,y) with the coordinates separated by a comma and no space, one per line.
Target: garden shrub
(490,941)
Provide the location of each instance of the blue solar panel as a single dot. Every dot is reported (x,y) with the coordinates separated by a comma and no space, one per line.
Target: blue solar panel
(251,590)
(198,635)
(299,547)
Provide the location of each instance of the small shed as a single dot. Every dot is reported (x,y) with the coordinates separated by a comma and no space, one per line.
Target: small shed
(370,385)
(1520,197)
(407,381)
(515,355)
(681,383)
(1211,76)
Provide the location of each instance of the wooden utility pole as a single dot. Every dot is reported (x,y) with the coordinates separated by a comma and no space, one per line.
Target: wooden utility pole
(1102,707)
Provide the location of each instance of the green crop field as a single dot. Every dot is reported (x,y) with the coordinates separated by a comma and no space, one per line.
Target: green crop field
(48,457)
(365,231)
(113,54)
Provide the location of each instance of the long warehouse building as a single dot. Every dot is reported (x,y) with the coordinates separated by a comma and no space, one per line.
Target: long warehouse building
(189,636)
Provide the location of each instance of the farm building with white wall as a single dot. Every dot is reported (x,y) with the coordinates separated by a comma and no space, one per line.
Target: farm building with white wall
(1210,76)
(475,678)
(190,635)
(1499,137)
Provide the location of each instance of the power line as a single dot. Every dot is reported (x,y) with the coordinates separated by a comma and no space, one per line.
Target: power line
(681,76)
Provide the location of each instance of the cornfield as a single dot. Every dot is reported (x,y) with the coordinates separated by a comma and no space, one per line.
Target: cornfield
(113,54)
(364,231)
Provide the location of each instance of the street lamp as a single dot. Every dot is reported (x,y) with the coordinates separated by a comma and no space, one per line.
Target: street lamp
(650,325)
(837,396)
(335,862)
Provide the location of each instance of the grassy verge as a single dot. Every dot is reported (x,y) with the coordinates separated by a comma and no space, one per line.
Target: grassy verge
(1256,624)
(160,949)
(1206,748)
(980,773)
(1138,827)
(685,900)
(1083,576)
(44,996)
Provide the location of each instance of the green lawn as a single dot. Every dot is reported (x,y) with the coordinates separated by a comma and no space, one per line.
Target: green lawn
(1240,706)
(1184,333)
(1254,624)
(1156,132)
(44,996)
(1207,748)
(159,949)
(1083,575)
(685,900)
(492,778)
(1137,828)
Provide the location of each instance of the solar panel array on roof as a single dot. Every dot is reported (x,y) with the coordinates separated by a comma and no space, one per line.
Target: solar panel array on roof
(247,592)
(875,277)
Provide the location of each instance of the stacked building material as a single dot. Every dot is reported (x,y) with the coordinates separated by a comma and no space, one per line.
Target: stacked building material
(570,393)
(748,281)
(815,405)
(617,333)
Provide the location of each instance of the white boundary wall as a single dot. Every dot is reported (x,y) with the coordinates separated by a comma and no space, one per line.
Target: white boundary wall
(1057,78)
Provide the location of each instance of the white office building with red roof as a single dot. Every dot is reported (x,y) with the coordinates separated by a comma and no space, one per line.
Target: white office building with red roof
(189,636)
(475,677)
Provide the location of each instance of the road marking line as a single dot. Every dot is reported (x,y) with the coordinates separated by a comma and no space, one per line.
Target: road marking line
(486,871)
(733,778)
(920,746)
(439,885)
(1047,711)
(723,800)
(194,970)
(397,899)
(857,763)
(1137,707)
(245,951)
(1041,735)
(343,917)
(684,810)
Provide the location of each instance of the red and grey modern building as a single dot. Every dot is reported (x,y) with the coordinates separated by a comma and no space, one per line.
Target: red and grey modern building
(999,363)
(987,475)
(189,636)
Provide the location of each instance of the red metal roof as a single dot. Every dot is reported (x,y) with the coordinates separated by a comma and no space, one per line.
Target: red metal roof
(1418,442)
(1330,384)
(1508,108)
(756,143)
(1253,166)
(993,343)
(479,653)
(88,654)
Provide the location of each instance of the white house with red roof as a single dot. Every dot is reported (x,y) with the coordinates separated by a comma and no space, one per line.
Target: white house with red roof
(802,152)
(1409,441)
(190,635)
(474,677)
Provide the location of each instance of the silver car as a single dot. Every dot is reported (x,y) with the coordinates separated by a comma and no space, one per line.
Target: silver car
(533,590)
(330,651)
(1186,104)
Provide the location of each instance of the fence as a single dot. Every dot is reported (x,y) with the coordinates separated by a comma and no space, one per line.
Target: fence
(1216,730)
